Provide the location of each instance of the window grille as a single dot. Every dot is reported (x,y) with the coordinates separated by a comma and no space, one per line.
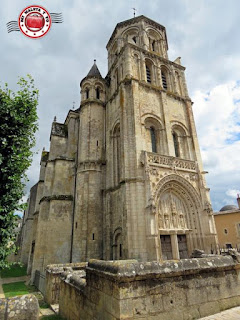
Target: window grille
(148,73)
(164,81)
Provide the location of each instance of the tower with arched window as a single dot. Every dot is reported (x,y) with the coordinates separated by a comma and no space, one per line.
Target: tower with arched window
(164,211)
(124,178)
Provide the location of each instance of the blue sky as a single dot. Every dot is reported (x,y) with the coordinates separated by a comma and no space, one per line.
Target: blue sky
(204,33)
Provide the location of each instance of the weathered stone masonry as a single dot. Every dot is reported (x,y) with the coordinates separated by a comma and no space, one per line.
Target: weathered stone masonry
(183,290)
(123,178)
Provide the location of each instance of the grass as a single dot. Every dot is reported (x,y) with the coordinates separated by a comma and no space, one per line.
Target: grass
(15,289)
(15,270)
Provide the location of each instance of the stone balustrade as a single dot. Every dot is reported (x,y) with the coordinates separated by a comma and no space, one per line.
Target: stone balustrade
(170,162)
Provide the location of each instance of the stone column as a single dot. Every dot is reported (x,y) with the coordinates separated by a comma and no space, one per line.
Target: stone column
(175,250)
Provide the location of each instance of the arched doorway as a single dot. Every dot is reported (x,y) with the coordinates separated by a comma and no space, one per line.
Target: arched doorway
(177,217)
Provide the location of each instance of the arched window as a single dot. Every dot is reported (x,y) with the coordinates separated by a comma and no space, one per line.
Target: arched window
(153,136)
(164,79)
(148,74)
(97,93)
(153,139)
(176,144)
(134,39)
(87,93)
(116,155)
(117,244)
(153,45)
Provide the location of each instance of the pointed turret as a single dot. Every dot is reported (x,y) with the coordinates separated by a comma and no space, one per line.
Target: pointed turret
(93,85)
(94,72)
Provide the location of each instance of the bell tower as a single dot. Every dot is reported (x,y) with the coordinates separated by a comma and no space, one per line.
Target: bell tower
(157,204)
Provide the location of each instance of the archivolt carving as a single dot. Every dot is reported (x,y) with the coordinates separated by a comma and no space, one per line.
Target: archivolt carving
(180,184)
(171,212)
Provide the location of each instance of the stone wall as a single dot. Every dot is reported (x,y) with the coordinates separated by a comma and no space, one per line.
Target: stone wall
(53,274)
(19,308)
(177,290)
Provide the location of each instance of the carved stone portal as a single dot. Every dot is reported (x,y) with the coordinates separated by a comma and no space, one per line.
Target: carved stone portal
(171,212)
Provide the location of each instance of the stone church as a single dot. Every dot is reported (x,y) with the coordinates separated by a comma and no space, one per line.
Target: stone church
(123,178)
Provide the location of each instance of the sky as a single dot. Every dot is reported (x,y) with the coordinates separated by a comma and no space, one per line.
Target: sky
(204,33)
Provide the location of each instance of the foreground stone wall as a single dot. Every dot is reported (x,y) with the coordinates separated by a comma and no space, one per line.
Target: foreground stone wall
(19,308)
(182,290)
(53,274)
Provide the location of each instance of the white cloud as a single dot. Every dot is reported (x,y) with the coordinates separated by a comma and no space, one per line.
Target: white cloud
(232,193)
(218,125)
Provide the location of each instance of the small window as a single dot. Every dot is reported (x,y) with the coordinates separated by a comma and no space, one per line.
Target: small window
(153,45)
(134,39)
(176,145)
(225,231)
(228,245)
(93,236)
(164,80)
(97,93)
(148,74)
(153,139)
(87,93)
(120,250)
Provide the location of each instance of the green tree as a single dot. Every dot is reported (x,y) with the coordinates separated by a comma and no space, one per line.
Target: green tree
(18,124)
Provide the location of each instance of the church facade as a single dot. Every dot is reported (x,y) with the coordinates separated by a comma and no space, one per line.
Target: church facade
(123,177)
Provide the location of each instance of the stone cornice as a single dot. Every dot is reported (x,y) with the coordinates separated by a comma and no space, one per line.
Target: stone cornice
(129,270)
(128,81)
(122,182)
(62,159)
(92,101)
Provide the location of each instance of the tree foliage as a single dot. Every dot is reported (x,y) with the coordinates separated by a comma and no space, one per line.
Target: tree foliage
(18,124)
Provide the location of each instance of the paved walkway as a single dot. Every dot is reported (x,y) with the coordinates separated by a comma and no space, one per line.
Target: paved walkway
(15,279)
(1,290)
(231,314)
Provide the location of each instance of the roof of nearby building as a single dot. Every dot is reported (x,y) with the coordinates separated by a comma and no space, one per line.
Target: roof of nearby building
(229,207)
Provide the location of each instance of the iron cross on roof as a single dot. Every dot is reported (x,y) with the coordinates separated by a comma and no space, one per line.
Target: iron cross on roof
(134,12)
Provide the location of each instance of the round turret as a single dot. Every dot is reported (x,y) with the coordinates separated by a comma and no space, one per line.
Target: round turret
(93,86)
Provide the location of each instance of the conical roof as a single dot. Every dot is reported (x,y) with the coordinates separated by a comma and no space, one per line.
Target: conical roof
(94,72)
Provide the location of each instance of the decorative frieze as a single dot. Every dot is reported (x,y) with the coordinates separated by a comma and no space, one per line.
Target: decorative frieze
(59,129)
(154,159)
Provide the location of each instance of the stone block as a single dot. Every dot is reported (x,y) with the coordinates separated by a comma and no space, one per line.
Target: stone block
(19,308)
(209,308)
(196,296)
(191,313)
